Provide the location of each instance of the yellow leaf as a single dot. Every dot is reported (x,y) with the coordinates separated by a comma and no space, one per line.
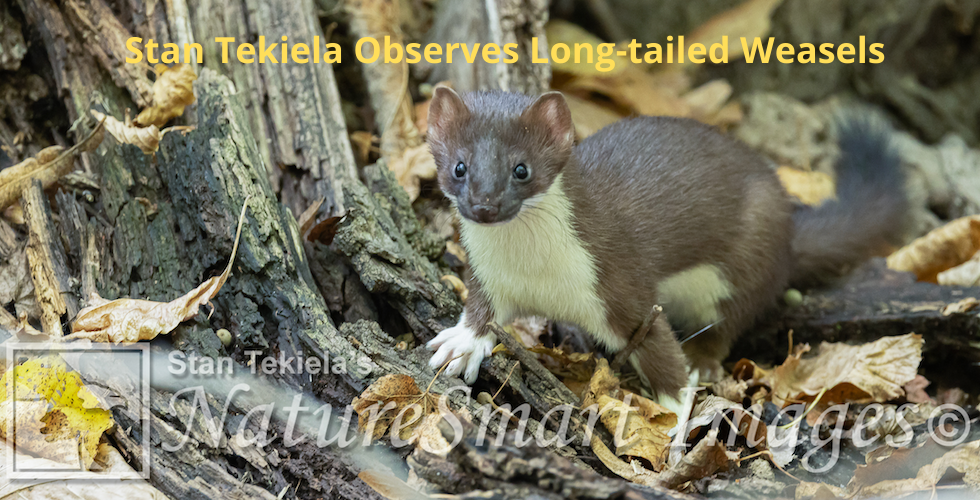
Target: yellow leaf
(173,90)
(941,249)
(132,320)
(811,188)
(57,417)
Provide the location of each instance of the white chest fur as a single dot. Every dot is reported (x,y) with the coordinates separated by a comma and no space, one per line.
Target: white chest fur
(537,265)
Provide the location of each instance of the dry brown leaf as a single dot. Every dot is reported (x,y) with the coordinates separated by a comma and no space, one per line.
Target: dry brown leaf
(308,216)
(965,274)
(414,163)
(964,459)
(172,92)
(707,457)
(961,307)
(941,249)
(749,19)
(646,424)
(147,139)
(398,393)
(873,372)
(49,165)
(132,320)
(572,368)
(811,188)
(325,230)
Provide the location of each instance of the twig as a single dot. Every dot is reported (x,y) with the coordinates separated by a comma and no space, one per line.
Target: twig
(638,337)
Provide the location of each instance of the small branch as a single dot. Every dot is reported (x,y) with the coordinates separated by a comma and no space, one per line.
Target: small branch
(49,267)
(638,337)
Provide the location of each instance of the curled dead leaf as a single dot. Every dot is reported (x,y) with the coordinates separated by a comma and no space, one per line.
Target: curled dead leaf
(707,457)
(48,165)
(145,138)
(412,165)
(132,320)
(941,249)
(172,92)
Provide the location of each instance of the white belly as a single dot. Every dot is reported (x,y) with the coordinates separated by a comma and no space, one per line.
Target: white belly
(536,265)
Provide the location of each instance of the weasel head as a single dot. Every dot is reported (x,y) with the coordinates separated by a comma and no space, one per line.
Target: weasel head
(496,150)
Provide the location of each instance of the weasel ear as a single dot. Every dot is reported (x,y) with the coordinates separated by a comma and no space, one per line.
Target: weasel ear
(550,113)
(445,111)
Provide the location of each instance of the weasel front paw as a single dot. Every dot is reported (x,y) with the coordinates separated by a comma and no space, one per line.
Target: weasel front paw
(464,347)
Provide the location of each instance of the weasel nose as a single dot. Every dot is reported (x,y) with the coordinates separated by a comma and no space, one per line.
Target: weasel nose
(485,213)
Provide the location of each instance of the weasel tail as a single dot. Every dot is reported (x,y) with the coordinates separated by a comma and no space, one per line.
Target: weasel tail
(867,217)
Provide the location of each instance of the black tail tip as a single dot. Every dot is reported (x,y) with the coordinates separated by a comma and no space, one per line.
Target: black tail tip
(868,158)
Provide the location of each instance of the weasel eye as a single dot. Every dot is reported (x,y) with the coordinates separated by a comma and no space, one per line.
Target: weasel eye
(460,170)
(521,172)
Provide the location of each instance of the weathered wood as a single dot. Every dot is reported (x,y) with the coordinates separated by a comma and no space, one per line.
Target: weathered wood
(492,21)
(304,120)
(49,267)
(105,39)
(871,303)
(516,472)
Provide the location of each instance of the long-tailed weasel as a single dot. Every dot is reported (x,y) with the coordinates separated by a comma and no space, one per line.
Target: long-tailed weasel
(646,211)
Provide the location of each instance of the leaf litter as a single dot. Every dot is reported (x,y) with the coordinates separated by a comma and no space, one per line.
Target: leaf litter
(132,320)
